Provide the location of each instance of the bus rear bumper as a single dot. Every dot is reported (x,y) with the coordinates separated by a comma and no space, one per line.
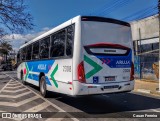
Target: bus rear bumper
(90,89)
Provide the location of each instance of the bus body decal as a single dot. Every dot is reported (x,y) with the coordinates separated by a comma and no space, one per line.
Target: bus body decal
(35,77)
(52,75)
(96,67)
(117,61)
(27,73)
(32,69)
(40,66)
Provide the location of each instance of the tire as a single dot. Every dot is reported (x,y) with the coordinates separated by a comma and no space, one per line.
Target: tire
(43,87)
(23,82)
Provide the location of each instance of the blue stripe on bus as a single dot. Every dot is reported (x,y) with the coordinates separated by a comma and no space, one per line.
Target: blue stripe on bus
(35,77)
(117,61)
(40,66)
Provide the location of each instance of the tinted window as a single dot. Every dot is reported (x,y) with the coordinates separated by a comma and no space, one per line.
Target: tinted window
(148,47)
(23,54)
(69,41)
(29,52)
(44,48)
(58,44)
(155,46)
(18,57)
(35,54)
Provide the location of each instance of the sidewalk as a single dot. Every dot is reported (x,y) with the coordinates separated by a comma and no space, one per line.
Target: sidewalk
(146,86)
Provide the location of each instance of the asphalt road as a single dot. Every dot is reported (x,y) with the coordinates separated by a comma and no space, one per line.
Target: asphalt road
(111,107)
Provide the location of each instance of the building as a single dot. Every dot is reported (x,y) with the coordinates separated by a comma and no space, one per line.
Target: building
(145,34)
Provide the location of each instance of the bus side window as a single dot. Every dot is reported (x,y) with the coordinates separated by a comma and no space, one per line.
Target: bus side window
(18,57)
(69,41)
(23,54)
(35,54)
(29,51)
(58,44)
(44,47)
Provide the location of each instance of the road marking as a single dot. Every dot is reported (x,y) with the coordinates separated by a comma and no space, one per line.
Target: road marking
(2,111)
(38,107)
(18,103)
(14,87)
(8,104)
(15,96)
(14,91)
(56,119)
(60,109)
(155,110)
(14,84)
(27,100)
(4,86)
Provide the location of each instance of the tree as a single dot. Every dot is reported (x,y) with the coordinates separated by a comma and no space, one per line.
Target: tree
(5,48)
(14,17)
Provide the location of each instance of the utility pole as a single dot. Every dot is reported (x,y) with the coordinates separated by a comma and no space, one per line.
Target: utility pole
(159,40)
(140,59)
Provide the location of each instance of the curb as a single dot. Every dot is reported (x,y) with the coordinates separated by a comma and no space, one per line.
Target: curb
(147,92)
(144,80)
(144,91)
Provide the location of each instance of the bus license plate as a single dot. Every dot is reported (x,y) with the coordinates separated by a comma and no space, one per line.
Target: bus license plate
(110,78)
(110,87)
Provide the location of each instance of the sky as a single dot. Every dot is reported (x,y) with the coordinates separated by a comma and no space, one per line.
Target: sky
(50,13)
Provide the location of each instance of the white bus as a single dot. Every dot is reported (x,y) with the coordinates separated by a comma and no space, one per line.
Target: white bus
(83,56)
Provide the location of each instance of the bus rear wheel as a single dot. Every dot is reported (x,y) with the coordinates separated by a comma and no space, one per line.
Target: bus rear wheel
(43,87)
(23,82)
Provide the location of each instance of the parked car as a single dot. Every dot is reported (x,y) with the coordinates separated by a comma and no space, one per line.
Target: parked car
(7,67)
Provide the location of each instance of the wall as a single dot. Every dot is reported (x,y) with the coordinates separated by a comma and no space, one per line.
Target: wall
(149,28)
(145,35)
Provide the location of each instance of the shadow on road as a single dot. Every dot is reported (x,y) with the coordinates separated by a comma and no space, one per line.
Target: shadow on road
(108,103)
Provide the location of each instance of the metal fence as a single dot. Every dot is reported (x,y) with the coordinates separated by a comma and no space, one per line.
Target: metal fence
(146,66)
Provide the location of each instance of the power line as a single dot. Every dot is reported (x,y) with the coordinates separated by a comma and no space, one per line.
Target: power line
(116,6)
(149,13)
(134,14)
(97,11)
(118,2)
(142,13)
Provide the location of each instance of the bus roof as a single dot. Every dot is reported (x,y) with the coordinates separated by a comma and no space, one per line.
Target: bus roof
(103,19)
(69,22)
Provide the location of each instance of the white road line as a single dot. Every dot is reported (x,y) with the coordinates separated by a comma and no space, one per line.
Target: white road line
(38,107)
(2,111)
(14,87)
(56,119)
(13,91)
(8,104)
(18,103)
(15,96)
(60,109)
(4,87)
(155,110)
(14,84)
(27,100)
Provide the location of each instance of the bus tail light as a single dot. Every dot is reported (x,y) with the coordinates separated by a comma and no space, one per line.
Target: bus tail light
(132,72)
(81,73)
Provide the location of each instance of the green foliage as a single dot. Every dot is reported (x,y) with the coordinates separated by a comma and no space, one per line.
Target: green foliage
(14,17)
(5,47)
